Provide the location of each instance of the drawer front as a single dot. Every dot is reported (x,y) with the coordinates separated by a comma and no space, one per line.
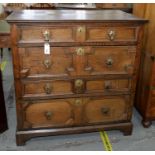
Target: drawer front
(50,88)
(54,113)
(46,88)
(111,34)
(112,60)
(33,61)
(105,110)
(53,34)
(77,61)
(108,85)
(79,33)
(75,112)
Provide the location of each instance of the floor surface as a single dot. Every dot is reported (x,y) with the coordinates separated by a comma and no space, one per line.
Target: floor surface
(141,138)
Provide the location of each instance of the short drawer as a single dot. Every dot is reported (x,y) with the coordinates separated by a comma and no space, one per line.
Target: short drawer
(112,34)
(79,33)
(77,61)
(75,111)
(52,33)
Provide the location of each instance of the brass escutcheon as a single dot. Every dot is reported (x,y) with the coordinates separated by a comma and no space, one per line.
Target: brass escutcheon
(107,85)
(47,63)
(111,35)
(80,29)
(80,51)
(48,88)
(78,102)
(46,35)
(79,83)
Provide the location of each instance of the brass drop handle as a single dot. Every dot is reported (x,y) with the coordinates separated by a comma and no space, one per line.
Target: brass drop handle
(105,110)
(111,35)
(109,62)
(80,51)
(78,102)
(46,35)
(47,63)
(48,88)
(48,115)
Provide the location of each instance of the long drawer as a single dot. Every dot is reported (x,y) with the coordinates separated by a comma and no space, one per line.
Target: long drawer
(77,61)
(78,33)
(51,88)
(75,111)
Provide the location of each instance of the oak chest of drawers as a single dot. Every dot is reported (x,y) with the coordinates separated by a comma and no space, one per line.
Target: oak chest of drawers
(145,96)
(85,81)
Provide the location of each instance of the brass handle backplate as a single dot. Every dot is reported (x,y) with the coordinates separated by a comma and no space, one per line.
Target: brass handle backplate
(111,35)
(109,62)
(47,63)
(46,35)
(48,115)
(105,110)
(79,86)
(48,88)
(80,51)
(79,83)
(78,102)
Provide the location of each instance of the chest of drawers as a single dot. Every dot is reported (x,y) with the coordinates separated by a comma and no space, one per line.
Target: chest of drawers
(87,81)
(145,98)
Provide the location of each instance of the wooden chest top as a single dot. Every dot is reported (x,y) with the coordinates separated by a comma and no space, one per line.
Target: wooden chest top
(72,16)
